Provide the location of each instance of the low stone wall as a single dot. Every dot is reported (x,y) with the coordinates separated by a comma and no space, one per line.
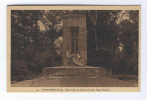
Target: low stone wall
(74,71)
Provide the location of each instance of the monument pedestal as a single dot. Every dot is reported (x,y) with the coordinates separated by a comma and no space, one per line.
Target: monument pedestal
(86,71)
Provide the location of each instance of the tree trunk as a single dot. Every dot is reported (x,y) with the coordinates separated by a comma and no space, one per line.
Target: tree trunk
(113,48)
(52,39)
(24,40)
(96,39)
(112,55)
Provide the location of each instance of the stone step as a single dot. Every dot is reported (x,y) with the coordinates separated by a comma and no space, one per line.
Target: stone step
(86,71)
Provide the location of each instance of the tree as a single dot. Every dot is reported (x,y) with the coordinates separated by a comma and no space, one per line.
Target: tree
(108,33)
(24,25)
(94,16)
(129,30)
(51,19)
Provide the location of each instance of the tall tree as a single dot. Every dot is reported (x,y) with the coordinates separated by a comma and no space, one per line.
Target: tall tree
(94,16)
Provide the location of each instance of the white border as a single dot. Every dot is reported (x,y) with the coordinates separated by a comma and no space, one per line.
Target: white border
(72,96)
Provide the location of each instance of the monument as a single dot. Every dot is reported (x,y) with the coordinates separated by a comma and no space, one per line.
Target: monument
(74,50)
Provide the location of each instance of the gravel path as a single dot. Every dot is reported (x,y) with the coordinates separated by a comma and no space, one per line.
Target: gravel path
(75,82)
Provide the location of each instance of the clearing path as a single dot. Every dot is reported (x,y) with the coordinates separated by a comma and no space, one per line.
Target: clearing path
(77,81)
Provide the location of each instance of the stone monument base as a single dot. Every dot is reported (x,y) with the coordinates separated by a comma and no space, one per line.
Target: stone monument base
(62,71)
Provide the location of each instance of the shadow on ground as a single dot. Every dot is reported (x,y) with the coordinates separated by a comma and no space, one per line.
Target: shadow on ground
(76,81)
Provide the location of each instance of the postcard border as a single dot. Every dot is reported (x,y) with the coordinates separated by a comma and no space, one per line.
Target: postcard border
(63,89)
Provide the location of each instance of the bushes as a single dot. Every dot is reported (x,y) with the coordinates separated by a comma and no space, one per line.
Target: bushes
(131,65)
(19,70)
(40,60)
(99,59)
(116,64)
(31,65)
(44,59)
(124,65)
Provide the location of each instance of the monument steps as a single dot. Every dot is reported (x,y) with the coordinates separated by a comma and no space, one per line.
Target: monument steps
(87,71)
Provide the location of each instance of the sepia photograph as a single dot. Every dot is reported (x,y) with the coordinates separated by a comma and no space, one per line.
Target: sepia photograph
(73,48)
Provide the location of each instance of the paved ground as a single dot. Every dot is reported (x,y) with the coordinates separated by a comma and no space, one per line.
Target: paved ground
(76,81)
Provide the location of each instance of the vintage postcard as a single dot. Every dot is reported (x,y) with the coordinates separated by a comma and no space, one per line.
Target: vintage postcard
(74,48)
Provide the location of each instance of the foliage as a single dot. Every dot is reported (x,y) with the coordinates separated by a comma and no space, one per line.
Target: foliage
(32,46)
(117,36)
(124,65)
